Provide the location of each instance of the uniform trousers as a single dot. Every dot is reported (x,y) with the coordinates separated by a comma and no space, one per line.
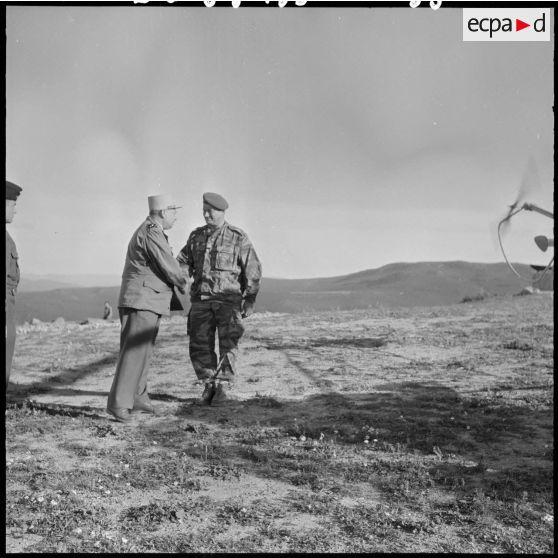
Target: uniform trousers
(139,329)
(204,320)
(10,333)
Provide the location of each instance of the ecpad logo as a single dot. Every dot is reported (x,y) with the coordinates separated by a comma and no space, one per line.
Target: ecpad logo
(522,24)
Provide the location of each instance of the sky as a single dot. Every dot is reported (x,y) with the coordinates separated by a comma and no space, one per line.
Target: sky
(344,139)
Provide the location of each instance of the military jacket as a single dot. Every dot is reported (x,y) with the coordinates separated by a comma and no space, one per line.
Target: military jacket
(12,266)
(223,264)
(150,271)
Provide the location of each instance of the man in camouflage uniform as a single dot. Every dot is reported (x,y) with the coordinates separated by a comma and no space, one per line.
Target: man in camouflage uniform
(12,276)
(150,274)
(226,275)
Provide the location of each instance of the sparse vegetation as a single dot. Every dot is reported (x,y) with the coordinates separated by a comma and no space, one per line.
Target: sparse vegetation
(475,298)
(439,439)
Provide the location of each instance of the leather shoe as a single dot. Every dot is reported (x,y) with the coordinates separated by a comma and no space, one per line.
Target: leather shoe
(144,407)
(121,415)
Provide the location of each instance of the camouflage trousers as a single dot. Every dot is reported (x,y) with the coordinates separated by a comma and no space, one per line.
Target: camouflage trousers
(204,320)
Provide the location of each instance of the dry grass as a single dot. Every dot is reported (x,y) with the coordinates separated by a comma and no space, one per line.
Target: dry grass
(423,430)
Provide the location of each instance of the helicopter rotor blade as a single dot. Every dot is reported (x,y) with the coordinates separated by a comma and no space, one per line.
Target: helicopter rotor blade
(530,182)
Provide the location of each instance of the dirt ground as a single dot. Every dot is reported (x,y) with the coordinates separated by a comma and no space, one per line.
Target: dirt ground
(327,410)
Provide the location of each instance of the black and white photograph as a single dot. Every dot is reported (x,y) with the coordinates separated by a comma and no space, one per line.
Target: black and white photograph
(279,277)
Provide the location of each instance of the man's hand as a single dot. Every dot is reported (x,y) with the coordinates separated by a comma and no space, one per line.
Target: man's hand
(186,285)
(247,308)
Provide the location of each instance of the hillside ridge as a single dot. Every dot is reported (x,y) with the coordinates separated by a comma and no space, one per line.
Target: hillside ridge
(393,285)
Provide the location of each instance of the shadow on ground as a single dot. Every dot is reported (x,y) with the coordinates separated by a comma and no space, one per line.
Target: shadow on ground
(65,377)
(494,446)
(463,438)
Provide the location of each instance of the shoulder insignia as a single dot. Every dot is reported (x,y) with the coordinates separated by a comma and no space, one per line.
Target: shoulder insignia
(197,231)
(237,230)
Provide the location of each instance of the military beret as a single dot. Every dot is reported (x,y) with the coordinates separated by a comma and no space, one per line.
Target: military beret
(215,200)
(12,190)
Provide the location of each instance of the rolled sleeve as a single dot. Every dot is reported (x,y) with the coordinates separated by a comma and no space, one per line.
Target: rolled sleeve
(251,270)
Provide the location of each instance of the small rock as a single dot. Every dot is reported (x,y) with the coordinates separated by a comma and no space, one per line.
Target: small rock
(528,290)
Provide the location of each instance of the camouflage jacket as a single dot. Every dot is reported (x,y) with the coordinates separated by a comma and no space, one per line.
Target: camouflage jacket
(12,267)
(223,264)
(150,271)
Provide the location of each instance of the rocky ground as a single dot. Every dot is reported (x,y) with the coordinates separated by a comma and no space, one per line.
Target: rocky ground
(424,429)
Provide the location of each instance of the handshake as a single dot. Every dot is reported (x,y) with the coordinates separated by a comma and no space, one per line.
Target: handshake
(182,289)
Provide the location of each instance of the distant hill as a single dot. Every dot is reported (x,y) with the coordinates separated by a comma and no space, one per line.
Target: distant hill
(35,283)
(73,304)
(29,284)
(398,284)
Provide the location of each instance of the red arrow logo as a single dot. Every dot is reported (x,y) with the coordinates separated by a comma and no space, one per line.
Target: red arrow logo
(519,25)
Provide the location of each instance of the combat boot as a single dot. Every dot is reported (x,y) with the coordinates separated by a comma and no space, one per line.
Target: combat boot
(220,393)
(208,393)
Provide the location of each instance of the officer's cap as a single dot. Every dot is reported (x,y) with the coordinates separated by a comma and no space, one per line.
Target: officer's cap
(215,200)
(160,202)
(12,190)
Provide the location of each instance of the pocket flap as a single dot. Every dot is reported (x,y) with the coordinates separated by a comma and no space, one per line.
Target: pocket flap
(224,260)
(157,286)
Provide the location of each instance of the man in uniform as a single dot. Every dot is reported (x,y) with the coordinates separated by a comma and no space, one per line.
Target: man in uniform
(148,280)
(107,314)
(226,276)
(12,276)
